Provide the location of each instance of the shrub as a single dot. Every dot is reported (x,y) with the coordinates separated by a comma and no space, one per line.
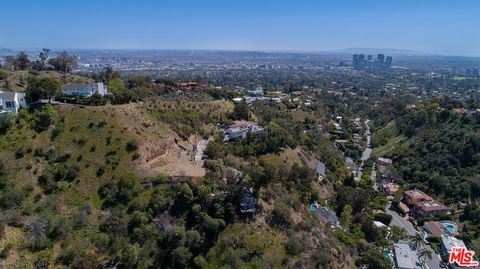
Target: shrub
(20,152)
(6,121)
(100,171)
(66,255)
(3,74)
(5,251)
(64,157)
(293,245)
(131,146)
(56,131)
(384,218)
(281,215)
(44,117)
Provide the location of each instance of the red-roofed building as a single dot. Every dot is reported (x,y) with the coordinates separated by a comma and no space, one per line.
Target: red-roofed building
(390,188)
(413,196)
(430,208)
(404,208)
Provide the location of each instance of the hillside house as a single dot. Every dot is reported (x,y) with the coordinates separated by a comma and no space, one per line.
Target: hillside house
(414,196)
(384,161)
(433,208)
(448,243)
(248,203)
(240,129)
(328,216)
(85,89)
(321,170)
(423,204)
(12,102)
(406,256)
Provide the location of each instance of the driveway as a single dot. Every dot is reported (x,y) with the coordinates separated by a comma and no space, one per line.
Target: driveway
(401,222)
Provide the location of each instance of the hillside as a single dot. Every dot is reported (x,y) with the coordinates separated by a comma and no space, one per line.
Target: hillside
(76,190)
(16,80)
(437,150)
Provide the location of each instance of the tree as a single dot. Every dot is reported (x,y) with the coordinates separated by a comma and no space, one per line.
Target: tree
(21,61)
(63,62)
(424,253)
(346,216)
(241,111)
(119,91)
(398,234)
(418,239)
(42,88)
(9,62)
(43,55)
(181,257)
(6,121)
(110,74)
(37,232)
(43,118)
(374,259)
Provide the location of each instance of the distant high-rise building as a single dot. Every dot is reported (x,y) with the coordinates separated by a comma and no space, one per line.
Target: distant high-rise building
(381,59)
(388,62)
(358,61)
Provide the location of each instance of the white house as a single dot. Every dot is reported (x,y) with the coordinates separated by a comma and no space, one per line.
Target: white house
(241,129)
(84,89)
(12,101)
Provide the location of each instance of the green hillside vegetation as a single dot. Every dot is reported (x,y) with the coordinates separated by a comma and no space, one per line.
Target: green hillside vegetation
(438,151)
(69,197)
(17,80)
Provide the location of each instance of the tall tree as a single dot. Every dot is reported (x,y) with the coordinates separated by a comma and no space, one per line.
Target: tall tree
(63,62)
(43,55)
(21,61)
(42,88)
(8,62)
(241,111)
(346,217)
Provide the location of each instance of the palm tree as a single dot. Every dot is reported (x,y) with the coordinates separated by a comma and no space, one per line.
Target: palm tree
(418,239)
(424,253)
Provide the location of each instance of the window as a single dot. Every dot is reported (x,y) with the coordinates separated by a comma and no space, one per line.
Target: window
(9,104)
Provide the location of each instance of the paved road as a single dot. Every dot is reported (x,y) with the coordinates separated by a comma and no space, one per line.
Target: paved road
(433,263)
(399,221)
(201,148)
(366,152)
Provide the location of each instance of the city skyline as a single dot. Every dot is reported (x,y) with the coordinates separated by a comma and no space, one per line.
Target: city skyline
(434,27)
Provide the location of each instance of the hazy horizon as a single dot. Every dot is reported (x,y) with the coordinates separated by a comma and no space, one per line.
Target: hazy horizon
(430,27)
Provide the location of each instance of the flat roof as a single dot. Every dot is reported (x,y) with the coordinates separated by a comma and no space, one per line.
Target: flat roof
(431,205)
(450,242)
(406,257)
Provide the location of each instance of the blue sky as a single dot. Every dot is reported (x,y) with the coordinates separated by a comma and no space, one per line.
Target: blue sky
(441,26)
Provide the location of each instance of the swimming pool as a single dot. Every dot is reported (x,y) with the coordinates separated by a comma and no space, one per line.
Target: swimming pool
(449,226)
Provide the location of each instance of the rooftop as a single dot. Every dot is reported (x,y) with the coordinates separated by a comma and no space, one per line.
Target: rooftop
(417,195)
(433,228)
(449,242)
(78,85)
(430,205)
(406,256)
